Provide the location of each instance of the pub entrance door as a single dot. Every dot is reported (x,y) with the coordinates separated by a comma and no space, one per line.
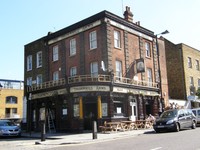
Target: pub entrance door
(90,114)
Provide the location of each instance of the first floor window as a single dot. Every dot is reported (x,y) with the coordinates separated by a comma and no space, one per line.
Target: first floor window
(191,81)
(39,79)
(94,68)
(119,69)
(55,76)
(149,76)
(73,71)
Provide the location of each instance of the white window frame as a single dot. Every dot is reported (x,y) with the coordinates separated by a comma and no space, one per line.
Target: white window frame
(29,63)
(39,59)
(93,40)
(72,47)
(29,81)
(39,79)
(118,69)
(73,71)
(149,76)
(55,53)
(94,69)
(55,76)
(148,49)
(117,39)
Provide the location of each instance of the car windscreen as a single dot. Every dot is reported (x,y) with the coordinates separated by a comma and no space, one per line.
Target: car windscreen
(5,123)
(169,114)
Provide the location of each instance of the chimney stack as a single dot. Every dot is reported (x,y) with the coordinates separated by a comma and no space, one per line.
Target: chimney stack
(128,14)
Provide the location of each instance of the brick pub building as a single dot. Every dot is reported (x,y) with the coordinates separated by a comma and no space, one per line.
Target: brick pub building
(103,68)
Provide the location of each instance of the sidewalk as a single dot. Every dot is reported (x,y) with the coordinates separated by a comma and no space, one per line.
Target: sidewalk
(66,138)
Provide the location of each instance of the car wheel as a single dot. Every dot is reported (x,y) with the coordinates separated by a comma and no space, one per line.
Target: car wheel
(193,125)
(177,129)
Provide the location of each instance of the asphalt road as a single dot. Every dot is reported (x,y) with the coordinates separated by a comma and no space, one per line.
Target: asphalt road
(183,140)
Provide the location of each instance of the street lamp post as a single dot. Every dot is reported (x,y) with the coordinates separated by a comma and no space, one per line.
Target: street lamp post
(159,68)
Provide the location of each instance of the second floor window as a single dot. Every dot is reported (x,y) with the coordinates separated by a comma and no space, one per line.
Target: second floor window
(189,62)
(197,64)
(55,53)
(148,50)
(117,39)
(55,76)
(39,59)
(73,71)
(118,69)
(29,63)
(93,40)
(94,68)
(39,79)
(72,47)
(11,100)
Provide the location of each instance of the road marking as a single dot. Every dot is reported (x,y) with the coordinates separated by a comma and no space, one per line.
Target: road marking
(156,148)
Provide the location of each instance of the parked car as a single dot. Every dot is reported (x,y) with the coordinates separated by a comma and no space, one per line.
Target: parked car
(175,120)
(9,128)
(196,112)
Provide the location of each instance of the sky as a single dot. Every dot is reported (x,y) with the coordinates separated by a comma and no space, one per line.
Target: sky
(24,21)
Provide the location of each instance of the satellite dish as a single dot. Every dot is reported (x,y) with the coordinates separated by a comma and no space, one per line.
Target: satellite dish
(103,66)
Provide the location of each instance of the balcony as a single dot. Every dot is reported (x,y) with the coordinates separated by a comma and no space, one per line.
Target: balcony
(92,78)
(108,78)
(46,85)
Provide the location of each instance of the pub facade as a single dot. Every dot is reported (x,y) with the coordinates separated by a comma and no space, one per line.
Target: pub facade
(103,68)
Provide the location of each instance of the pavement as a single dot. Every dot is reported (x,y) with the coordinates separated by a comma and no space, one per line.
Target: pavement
(86,137)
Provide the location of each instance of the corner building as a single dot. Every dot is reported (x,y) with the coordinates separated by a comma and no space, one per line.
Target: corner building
(103,68)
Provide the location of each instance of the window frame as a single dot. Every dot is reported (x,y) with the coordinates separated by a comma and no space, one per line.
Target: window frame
(94,69)
(191,81)
(39,59)
(11,100)
(189,62)
(73,71)
(72,47)
(29,81)
(39,79)
(29,62)
(55,53)
(197,64)
(93,40)
(149,76)
(117,39)
(55,76)
(148,49)
(118,68)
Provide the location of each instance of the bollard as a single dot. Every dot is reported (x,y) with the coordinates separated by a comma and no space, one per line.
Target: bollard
(43,133)
(94,130)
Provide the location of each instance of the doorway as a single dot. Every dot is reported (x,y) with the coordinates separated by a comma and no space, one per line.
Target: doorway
(90,114)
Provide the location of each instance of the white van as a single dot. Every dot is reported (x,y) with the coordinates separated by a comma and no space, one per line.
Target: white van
(196,111)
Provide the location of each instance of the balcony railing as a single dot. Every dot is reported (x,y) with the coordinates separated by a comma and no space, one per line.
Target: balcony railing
(92,78)
(46,85)
(107,78)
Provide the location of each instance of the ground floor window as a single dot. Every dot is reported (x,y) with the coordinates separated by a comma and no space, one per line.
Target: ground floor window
(118,107)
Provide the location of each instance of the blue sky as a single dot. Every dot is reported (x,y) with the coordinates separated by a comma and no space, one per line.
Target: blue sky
(23,21)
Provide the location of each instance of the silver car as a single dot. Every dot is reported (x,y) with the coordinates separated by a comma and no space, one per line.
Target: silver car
(8,128)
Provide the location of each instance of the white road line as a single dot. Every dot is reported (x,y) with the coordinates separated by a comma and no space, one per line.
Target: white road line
(156,148)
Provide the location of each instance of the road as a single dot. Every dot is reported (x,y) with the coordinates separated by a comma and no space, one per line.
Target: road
(183,140)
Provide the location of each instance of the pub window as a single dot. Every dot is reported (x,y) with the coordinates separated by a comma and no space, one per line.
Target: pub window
(118,107)
(73,71)
(11,100)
